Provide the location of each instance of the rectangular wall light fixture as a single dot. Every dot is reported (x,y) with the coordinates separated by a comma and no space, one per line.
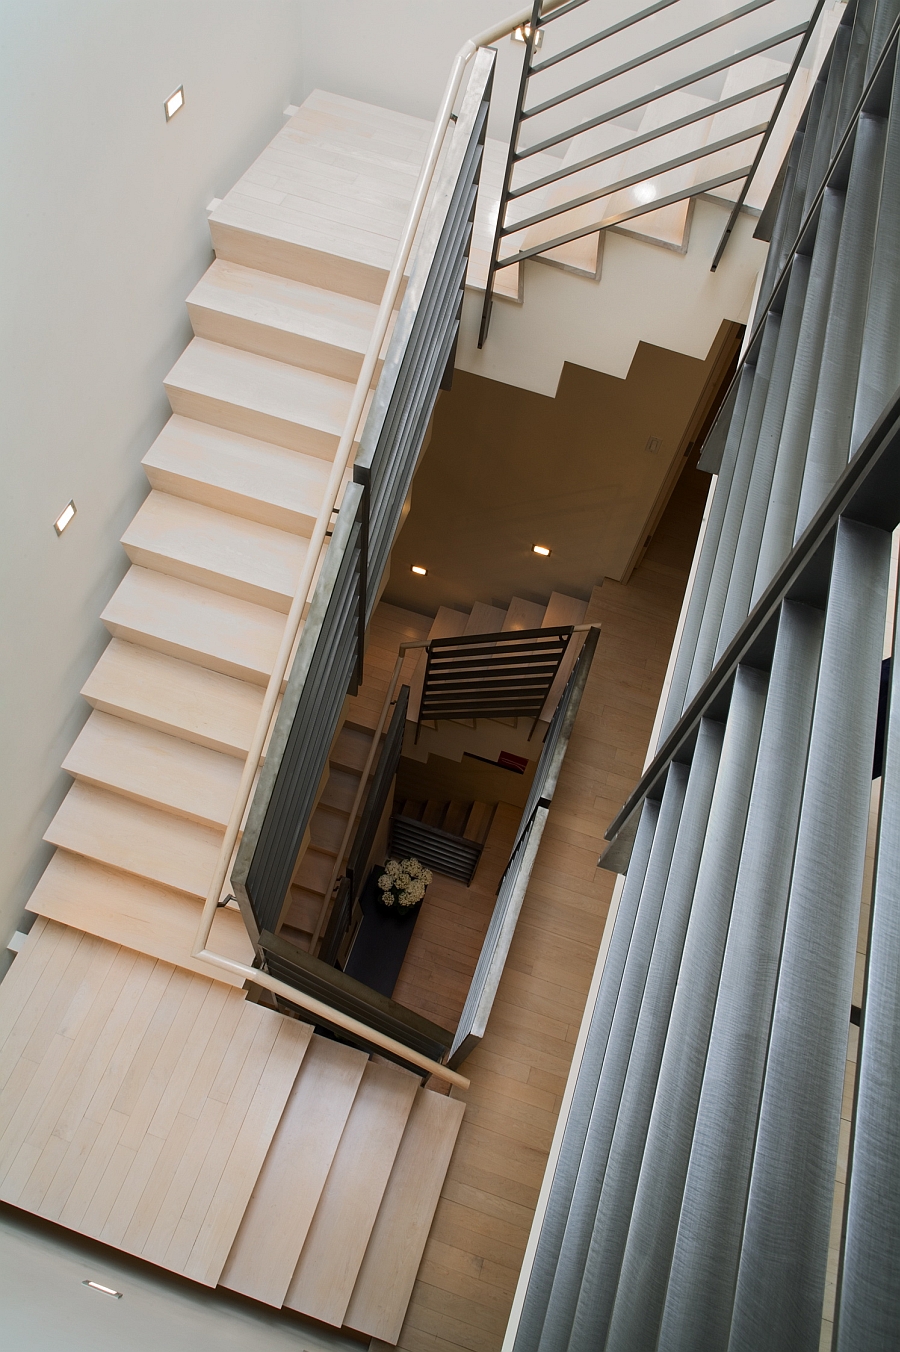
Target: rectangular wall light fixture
(107,1290)
(540,549)
(174,103)
(64,517)
(422,572)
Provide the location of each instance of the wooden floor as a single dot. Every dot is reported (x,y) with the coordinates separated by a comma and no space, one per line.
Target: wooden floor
(471,1263)
(440,961)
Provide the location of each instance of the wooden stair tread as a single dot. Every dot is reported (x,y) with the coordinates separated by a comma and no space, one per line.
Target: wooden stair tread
(314,870)
(351,747)
(135,838)
(259,397)
(326,827)
(335,1246)
(156,769)
(340,789)
(283,319)
(224,633)
(253,479)
(287,1191)
(562,609)
(302,913)
(397,1242)
(174,696)
(137,913)
(215,549)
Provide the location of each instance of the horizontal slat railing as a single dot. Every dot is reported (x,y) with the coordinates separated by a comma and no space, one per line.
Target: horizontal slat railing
(491,961)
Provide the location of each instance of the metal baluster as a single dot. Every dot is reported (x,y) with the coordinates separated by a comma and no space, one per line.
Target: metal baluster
(734,511)
(565,1175)
(597,1292)
(832,421)
(867,1313)
(573,1251)
(746,557)
(879,367)
(781,516)
(641,1285)
(704,1264)
(687,647)
(781,1277)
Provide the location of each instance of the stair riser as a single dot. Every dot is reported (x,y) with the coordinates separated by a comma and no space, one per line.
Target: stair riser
(302,264)
(265,341)
(205,577)
(252,422)
(225,500)
(159,644)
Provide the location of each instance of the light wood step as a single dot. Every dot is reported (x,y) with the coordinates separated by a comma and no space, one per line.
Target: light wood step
(457,816)
(562,609)
(478,822)
(223,633)
(485,619)
(523,615)
(156,769)
(249,478)
(157,691)
(301,914)
(137,913)
(350,749)
(335,1246)
(287,1192)
(283,319)
(433,814)
(142,840)
(314,870)
(326,827)
(385,1282)
(447,623)
(270,400)
(340,790)
(217,550)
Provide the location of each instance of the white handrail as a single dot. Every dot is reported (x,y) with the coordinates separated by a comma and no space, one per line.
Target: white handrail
(295,615)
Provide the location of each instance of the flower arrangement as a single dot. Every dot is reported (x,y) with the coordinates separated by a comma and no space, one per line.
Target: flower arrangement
(402,884)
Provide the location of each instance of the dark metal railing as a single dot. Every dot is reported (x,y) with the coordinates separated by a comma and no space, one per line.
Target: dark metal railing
(758,130)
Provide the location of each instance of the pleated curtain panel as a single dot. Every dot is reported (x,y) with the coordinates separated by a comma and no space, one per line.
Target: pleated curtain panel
(694,1205)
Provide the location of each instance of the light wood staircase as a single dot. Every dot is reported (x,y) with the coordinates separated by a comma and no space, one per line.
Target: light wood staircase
(281,320)
(162,1113)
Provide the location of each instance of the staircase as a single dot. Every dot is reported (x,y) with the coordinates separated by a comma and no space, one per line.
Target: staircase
(160,1112)
(490,737)
(304,242)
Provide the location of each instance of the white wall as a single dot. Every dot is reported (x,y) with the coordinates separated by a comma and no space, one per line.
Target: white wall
(47,1309)
(103,235)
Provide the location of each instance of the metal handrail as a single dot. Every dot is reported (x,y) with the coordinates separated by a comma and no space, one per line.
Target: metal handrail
(200,950)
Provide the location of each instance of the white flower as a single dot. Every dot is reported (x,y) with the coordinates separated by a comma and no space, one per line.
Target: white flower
(384,882)
(392,868)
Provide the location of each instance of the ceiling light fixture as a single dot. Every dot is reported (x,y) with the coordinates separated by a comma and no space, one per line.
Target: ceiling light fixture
(523,33)
(645,192)
(417,568)
(64,517)
(107,1290)
(174,103)
(540,549)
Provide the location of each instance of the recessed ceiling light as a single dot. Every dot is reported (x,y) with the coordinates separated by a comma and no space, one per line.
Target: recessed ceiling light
(540,549)
(174,103)
(64,517)
(107,1290)
(645,192)
(416,568)
(523,33)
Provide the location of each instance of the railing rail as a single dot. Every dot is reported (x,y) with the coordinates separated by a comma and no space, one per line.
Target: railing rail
(514,882)
(755,133)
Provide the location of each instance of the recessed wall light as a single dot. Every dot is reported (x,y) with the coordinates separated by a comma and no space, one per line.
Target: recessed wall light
(107,1290)
(540,549)
(645,192)
(174,103)
(416,568)
(64,517)
(523,33)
